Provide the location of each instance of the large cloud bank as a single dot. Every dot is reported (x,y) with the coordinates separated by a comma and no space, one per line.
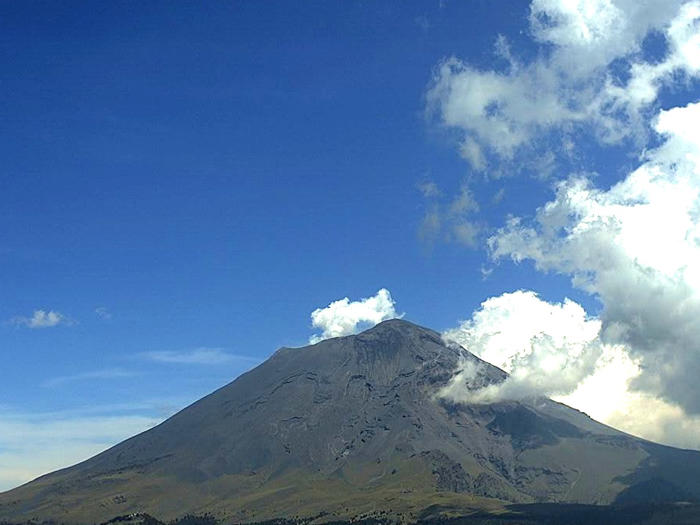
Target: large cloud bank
(633,246)
(556,350)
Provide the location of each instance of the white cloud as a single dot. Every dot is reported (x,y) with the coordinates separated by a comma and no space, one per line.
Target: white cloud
(197,356)
(34,444)
(682,35)
(556,350)
(42,319)
(546,348)
(345,317)
(499,112)
(595,32)
(636,247)
(573,85)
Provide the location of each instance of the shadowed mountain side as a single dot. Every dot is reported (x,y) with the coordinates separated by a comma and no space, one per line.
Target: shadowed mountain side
(349,426)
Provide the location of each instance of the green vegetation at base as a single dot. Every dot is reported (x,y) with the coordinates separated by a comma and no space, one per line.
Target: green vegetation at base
(521,514)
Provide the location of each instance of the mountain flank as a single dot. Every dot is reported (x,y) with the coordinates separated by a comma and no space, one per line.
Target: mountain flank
(352,427)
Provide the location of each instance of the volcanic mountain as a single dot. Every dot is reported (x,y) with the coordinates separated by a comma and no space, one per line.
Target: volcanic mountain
(353,426)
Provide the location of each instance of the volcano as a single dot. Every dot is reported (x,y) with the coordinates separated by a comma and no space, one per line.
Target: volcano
(354,426)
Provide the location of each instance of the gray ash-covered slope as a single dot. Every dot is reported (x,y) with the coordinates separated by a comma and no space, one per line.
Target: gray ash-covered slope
(352,426)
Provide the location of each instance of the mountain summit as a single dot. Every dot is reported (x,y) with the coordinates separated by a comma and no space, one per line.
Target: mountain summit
(354,426)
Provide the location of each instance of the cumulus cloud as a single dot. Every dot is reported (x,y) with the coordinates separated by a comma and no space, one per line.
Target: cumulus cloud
(197,356)
(345,317)
(589,76)
(42,319)
(547,349)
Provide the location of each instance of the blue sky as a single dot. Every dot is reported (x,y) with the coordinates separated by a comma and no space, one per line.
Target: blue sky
(184,184)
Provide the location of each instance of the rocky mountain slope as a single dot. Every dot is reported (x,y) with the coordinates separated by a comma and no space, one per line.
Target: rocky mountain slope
(352,426)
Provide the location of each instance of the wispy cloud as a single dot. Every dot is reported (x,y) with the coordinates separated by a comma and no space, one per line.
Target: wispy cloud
(429,189)
(103,313)
(42,319)
(451,220)
(197,356)
(108,373)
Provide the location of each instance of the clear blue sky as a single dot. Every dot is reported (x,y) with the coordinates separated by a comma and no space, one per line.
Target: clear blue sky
(184,176)
(210,175)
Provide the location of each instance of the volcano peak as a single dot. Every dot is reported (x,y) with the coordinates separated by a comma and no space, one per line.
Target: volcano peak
(349,424)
